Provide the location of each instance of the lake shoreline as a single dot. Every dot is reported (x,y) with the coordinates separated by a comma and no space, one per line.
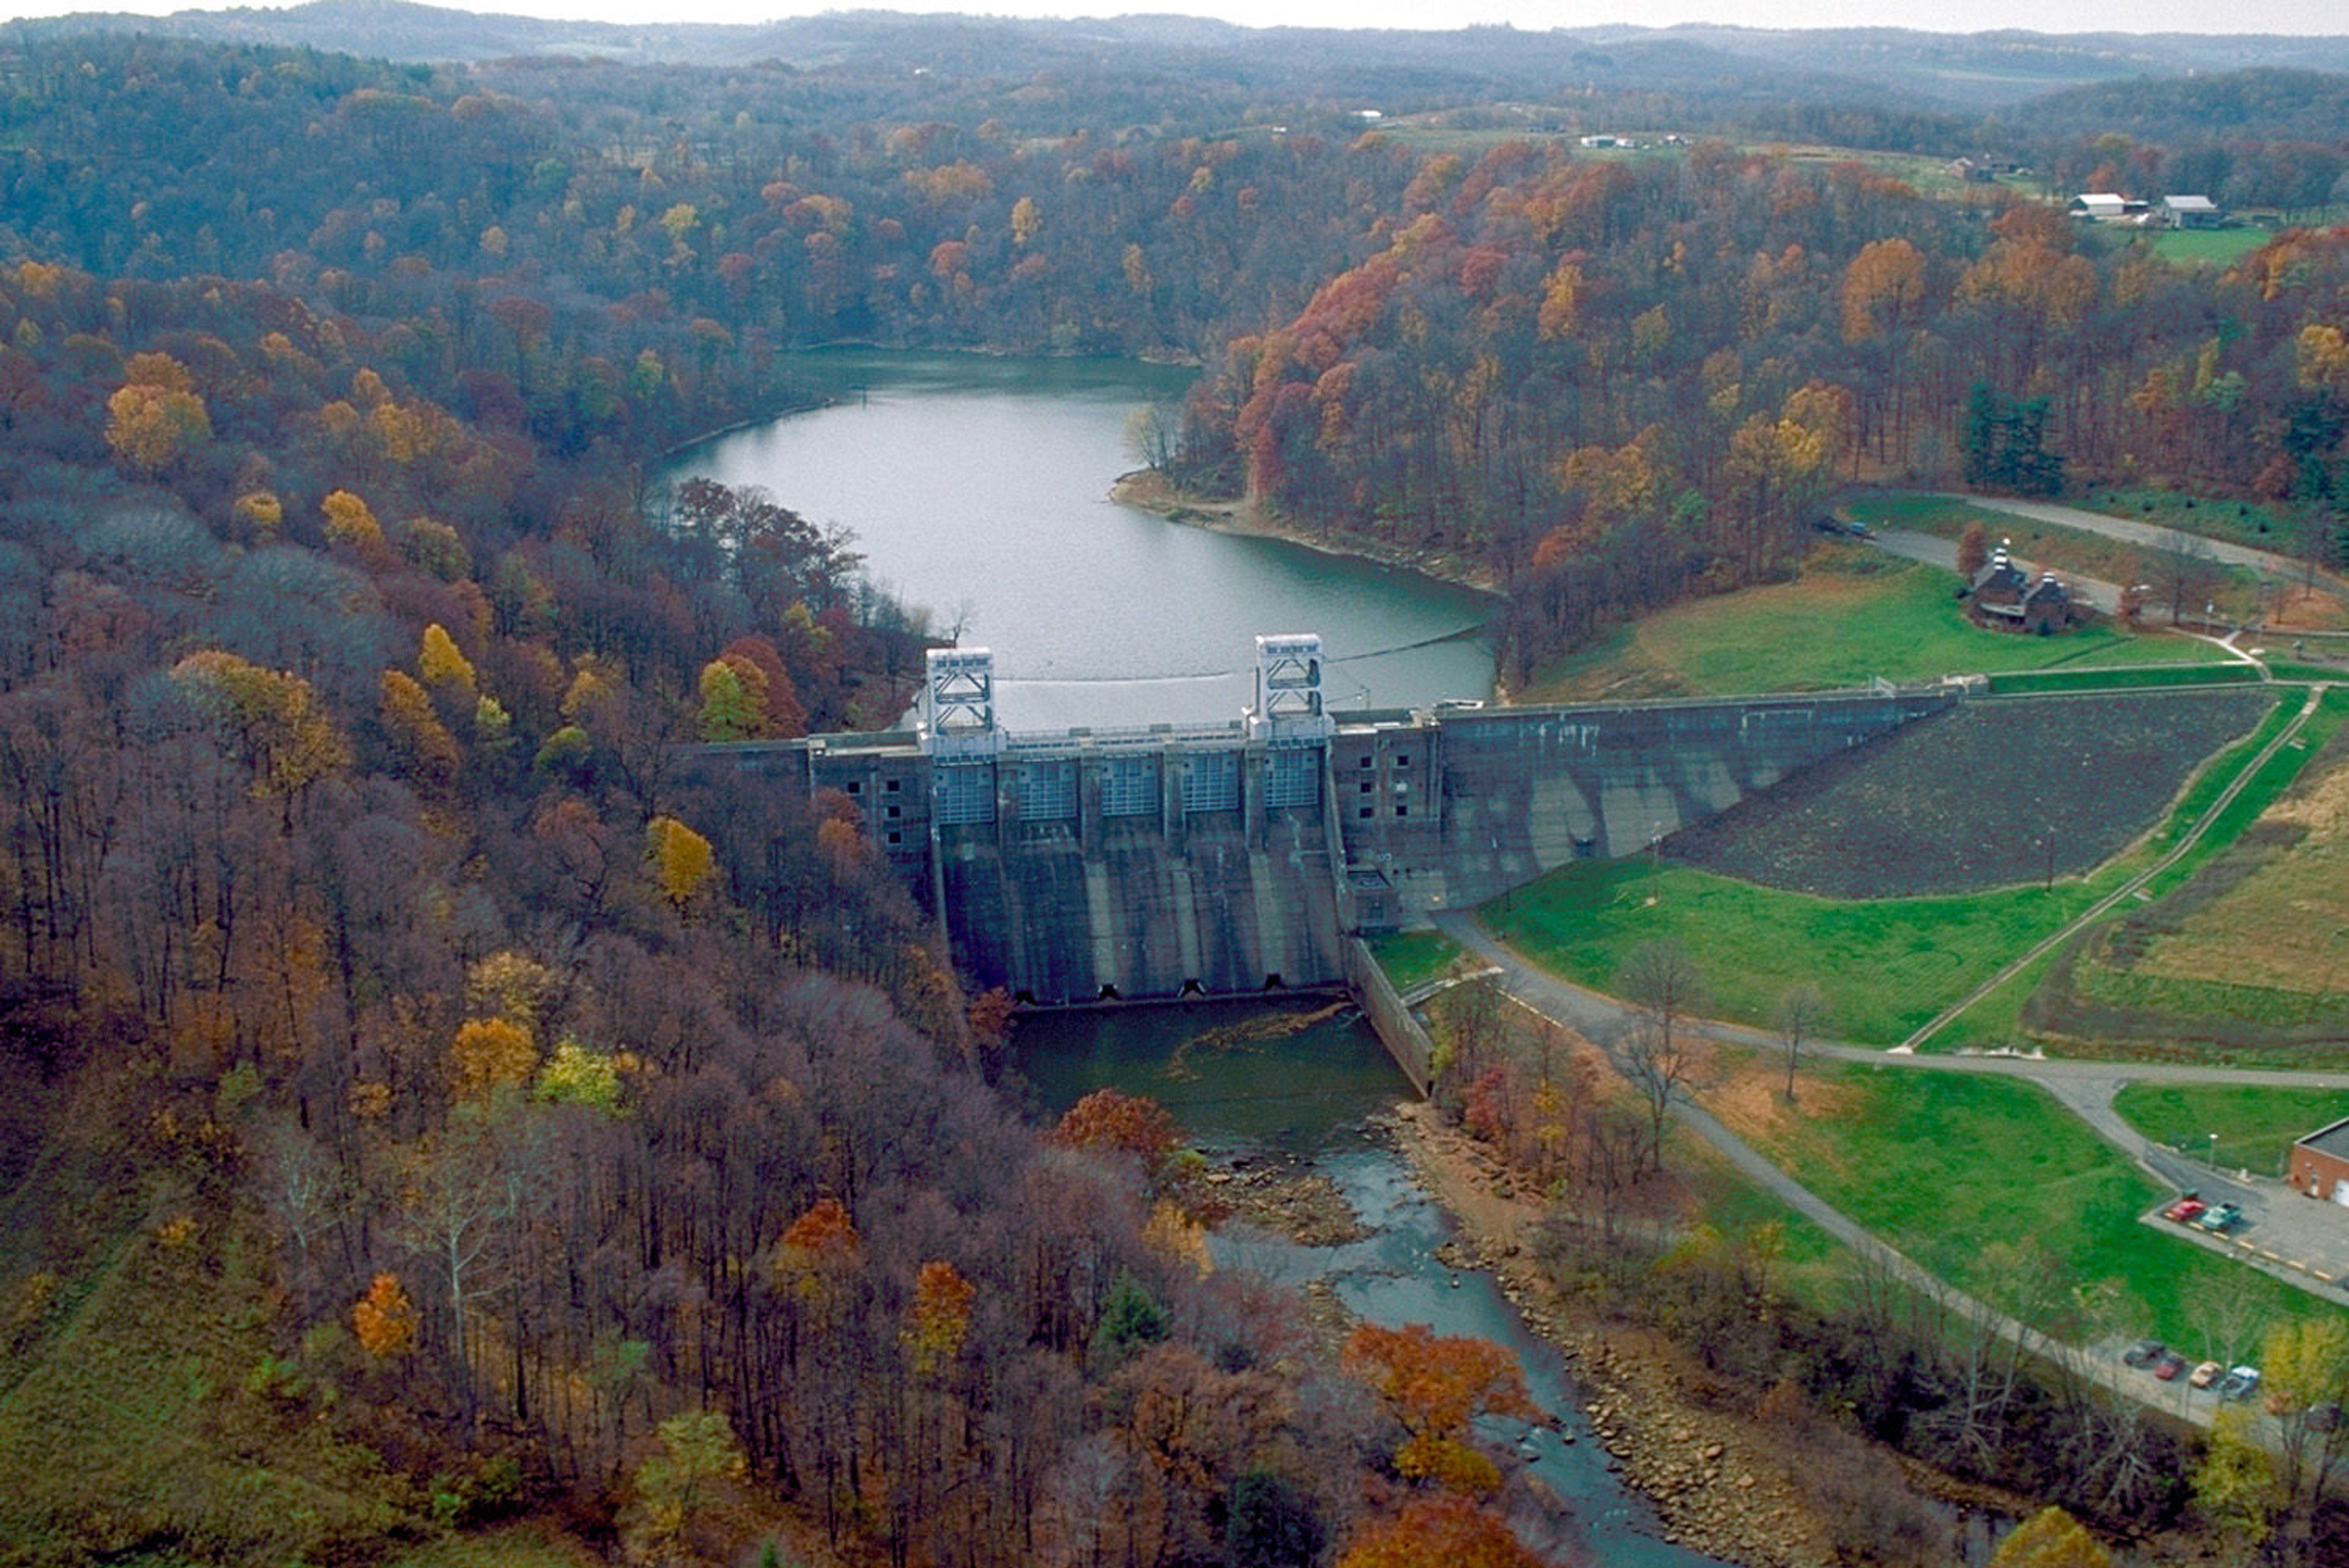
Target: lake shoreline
(1146,490)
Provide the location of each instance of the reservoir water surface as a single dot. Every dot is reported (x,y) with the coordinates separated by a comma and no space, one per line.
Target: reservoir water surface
(979,488)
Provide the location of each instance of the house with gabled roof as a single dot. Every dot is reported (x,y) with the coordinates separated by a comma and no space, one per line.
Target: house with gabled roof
(2004,596)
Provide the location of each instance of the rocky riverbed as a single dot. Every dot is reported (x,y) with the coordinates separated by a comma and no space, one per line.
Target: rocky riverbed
(1718,1480)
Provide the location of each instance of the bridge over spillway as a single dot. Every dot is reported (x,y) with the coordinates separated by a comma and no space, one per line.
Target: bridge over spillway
(1168,860)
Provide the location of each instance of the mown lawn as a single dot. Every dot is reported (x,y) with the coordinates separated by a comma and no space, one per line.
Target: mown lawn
(2252,523)
(1885,965)
(1853,614)
(2255,1123)
(2207,247)
(1969,1175)
(1413,958)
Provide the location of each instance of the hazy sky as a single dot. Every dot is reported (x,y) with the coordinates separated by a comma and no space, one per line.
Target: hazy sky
(2330,17)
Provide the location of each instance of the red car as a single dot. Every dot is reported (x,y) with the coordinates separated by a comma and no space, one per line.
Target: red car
(2167,1365)
(2185,1210)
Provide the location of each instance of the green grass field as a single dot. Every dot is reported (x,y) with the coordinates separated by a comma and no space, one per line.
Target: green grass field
(2255,1125)
(1887,966)
(1413,958)
(1854,614)
(2251,523)
(1950,1167)
(2206,247)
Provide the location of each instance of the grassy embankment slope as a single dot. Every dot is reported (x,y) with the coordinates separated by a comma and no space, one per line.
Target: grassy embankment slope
(1887,966)
(1854,614)
(2249,955)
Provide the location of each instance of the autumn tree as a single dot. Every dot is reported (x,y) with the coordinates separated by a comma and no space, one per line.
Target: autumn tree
(272,718)
(681,860)
(384,1319)
(1434,1387)
(696,1453)
(489,1054)
(1108,1121)
(2235,1487)
(939,1319)
(155,417)
(2304,1368)
(1973,549)
(415,730)
(2050,1539)
(1444,1528)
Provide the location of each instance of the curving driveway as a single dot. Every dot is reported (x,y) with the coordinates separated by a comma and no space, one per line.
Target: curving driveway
(2153,535)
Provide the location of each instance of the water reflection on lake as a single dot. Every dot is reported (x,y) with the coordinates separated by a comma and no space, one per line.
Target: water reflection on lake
(980,489)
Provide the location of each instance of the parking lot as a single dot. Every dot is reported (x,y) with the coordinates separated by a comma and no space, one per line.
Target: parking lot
(2301,1239)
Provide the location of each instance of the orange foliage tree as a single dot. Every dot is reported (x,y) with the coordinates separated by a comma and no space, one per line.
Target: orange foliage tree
(1434,1386)
(1444,1528)
(488,1055)
(1111,1122)
(384,1319)
(940,1318)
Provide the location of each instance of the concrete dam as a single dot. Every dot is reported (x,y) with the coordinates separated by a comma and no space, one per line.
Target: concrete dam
(1089,865)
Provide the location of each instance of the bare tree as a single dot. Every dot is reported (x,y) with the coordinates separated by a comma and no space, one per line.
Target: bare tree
(2183,568)
(1658,1055)
(1800,1012)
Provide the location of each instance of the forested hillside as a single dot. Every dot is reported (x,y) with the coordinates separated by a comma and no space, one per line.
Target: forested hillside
(432,1102)
(1623,382)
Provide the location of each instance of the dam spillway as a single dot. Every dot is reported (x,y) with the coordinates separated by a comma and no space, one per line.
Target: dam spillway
(1168,860)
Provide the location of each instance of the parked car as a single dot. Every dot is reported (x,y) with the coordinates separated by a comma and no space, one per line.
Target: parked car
(2167,1365)
(2320,1418)
(2240,1384)
(2219,1221)
(2204,1375)
(2187,1207)
(2143,1353)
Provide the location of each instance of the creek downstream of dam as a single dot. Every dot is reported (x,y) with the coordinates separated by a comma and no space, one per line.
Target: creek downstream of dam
(1248,1087)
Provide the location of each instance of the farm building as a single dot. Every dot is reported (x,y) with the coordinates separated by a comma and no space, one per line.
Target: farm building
(2320,1163)
(2190,213)
(2104,207)
(2003,595)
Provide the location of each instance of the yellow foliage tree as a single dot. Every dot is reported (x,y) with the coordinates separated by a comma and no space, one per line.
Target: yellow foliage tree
(442,662)
(682,858)
(351,522)
(416,730)
(151,427)
(2051,1539)
(272,717)
(384,1319)
(259,515)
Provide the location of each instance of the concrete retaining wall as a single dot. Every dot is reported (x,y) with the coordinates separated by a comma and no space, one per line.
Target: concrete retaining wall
(1406,1040)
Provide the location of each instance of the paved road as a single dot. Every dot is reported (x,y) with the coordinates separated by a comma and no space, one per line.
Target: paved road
(1936,551)
(2153,535)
